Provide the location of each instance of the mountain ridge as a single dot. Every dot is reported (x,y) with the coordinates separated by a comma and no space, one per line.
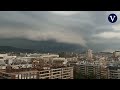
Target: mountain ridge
(42,50)
(38,46)
(13,49)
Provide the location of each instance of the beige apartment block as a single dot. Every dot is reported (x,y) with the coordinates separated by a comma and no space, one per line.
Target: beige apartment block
(55,73)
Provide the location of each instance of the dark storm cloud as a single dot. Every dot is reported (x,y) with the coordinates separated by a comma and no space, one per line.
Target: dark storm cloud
(85,28)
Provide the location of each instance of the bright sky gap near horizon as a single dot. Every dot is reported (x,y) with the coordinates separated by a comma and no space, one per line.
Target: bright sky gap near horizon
(84,28)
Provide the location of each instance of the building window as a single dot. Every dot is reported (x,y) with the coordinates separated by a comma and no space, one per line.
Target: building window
(25,76)
(28,76)
(20,76)
(47,78)
(44,75)
(35,76)
(64,76)
(56,73)
(32,76)
(44,72)
(16,76)
(57,70)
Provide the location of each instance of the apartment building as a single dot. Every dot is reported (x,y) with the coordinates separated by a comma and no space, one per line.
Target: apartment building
(97,71)
(53,73)
(88,70)
(114,72)
(104,72)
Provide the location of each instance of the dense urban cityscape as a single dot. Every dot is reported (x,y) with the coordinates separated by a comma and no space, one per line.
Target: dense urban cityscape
(59,45)
(88,65)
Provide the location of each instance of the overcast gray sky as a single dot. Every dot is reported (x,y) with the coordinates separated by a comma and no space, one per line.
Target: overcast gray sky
(75,27)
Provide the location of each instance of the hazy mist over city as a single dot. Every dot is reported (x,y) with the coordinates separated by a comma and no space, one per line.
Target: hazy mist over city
(87,29)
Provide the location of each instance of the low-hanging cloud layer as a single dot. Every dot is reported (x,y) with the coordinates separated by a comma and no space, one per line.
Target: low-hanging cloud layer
(86,28)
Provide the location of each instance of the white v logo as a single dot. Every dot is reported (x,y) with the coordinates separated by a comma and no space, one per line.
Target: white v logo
(112,18)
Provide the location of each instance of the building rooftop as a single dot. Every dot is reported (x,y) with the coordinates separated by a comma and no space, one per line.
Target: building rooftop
(17,72)
(24,70)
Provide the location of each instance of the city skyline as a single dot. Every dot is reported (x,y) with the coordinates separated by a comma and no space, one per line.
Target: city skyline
(88,29)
